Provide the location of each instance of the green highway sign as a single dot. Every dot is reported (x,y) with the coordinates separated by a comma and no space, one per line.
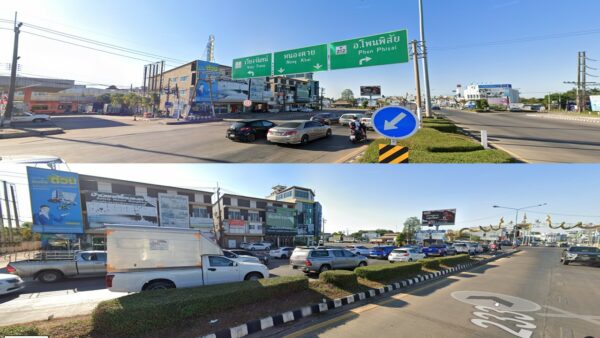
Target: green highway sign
(253,66)
(301,60)
(375,50)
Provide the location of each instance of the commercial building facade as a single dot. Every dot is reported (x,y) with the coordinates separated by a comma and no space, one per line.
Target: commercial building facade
(241,219)
(309,211)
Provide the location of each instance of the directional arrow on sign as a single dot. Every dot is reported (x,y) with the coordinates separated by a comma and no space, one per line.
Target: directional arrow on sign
(393,124)
(498,300)
(281,70)
(318,66)
(251,73)
(367,59)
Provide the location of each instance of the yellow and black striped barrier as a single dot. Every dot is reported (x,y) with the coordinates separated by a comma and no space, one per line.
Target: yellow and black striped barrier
(392,154)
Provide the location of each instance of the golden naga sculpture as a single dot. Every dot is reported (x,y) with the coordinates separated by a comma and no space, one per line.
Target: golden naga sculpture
(565,227)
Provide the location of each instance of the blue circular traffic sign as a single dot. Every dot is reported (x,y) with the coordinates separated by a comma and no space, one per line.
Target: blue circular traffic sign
(395,122)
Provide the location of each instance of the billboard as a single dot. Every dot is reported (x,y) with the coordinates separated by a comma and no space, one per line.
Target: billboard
(207,89)
(174,210)
(302,93)
(595,101)
(108,208)
(370,90)
(55,201)
(281,221)
(439,217)
(430,234)
(237,226)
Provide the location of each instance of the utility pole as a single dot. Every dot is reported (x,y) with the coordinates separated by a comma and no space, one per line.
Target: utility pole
(321,101)
(14,201)
(425,68)
(168,92)
(13,76)
(220,220)
(417,79)
(583,93)
(8,213)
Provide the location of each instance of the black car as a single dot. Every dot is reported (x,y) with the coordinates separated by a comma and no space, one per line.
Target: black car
(248,130)
(581,254)
(325,118)
(262,257)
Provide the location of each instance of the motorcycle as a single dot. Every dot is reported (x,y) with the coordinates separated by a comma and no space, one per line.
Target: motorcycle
(357,136)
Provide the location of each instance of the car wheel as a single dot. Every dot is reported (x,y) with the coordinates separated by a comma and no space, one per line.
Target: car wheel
(328,133)
(251,138)
(50,276)
(253,276)
(252,249)
(361,264)
(304,140)
(410,259)
(324,268)
(565,262)
(284,256)
(159,286)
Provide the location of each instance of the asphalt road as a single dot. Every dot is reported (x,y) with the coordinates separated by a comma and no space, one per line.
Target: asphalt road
(116,139)
(535,139)
(552,300)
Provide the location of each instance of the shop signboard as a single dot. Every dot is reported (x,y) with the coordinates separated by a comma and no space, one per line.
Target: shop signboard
(438,217)
(301,60)
(302,93)
(174,210)
(430,234)
(375,50)
(237,226)
(108,208)
(252,66)
(231,91)
(282,221)
(55,201)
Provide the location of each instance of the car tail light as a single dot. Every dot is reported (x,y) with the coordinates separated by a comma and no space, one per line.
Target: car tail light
(308,263)
(245,129)
(270,131)
(290,133)
(108,280)
(406,254)
(10,269)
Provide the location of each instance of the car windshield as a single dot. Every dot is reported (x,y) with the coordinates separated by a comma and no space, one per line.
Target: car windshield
(399,251)
(238,124)
(346,116)
(583,249)
(291,125)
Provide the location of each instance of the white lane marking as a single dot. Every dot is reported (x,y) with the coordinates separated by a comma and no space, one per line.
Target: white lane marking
(566,314)
(505,302)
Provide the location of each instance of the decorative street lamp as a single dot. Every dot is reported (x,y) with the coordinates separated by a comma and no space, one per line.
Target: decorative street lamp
(517,216)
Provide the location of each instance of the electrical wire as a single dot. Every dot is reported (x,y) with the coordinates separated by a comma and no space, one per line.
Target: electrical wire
(97,42)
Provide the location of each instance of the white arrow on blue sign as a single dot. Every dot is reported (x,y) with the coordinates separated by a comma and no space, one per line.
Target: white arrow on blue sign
(395,122)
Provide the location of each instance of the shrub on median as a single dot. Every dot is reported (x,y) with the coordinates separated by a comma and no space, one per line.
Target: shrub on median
(454,260)
(144,312)
(384,272)
(19,330)
(343,279)
(430,263)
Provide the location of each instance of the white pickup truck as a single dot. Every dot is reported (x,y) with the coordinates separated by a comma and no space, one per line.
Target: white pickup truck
(150,258)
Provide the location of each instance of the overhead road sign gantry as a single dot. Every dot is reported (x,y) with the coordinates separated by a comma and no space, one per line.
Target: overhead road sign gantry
(253,66)
(301,60)
(375,50)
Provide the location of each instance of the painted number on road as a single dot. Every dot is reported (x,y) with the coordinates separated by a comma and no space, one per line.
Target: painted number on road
(495,307)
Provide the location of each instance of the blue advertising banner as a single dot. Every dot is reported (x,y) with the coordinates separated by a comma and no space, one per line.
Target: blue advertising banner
(207,88)
(55,201)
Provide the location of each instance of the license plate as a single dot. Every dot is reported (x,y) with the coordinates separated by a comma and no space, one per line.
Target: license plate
(294,267)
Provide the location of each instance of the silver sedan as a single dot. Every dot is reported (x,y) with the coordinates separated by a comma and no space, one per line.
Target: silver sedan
(298,132)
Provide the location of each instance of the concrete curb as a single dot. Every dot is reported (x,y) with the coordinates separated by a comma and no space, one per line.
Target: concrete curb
(170,123)
(258,325)
(352,155)
(566,117)
(27,132)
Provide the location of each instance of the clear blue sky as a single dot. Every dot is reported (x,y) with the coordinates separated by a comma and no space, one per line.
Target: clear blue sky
(370,196)
(180,29)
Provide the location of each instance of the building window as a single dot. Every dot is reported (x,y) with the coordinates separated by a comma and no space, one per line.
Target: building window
(207,199)
(200,212)
(226,201)
(190,196)
(284,195)
(302,194)
(261,205)
(183,78)
(88,185)
(182,92)
(253,217)
(243,203)
(123,189)
(256,227)
(234,214)
(154,192)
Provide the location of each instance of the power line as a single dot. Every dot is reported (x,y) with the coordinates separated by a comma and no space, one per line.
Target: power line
(521,40)
(96,42)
